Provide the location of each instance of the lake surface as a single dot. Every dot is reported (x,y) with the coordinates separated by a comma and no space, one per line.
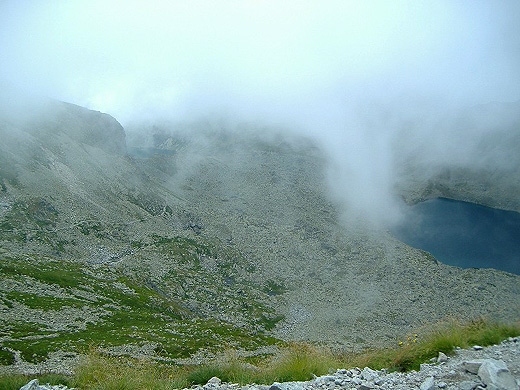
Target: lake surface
(463,234)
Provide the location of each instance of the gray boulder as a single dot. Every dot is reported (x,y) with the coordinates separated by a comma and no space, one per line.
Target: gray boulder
(468,385)
(472,366)
(35,385)
(287,386)
(442,357)
(428,384)
(496,376)
(32,385)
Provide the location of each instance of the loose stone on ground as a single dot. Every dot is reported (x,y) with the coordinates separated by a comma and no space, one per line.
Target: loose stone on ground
(467,370)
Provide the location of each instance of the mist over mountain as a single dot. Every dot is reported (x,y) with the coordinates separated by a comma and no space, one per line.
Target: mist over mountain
(180,169)
(371,83)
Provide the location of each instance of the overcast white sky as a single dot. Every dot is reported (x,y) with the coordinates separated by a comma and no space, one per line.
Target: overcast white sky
(307,63)
(133,58)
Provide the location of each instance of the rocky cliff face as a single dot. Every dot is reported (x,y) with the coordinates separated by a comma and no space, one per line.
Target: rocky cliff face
(214,232)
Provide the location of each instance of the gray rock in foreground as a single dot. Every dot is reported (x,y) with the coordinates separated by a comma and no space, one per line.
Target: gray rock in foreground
(495,375)
(35,385)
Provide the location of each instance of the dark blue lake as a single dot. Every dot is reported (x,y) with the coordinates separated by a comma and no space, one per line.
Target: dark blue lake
(463,234)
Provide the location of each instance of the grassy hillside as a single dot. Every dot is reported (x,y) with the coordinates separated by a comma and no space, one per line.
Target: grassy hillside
(51,305)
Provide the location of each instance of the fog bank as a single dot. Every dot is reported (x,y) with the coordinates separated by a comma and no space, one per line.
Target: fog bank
(371,82)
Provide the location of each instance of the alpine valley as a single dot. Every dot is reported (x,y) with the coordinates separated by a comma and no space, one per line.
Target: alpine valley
(180,240)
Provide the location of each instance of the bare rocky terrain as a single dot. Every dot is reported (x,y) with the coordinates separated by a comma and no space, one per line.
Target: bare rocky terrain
(199,232)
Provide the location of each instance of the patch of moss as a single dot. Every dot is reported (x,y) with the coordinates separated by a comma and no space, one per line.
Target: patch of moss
(6,357)
(8,231)
(35,212)
(64,274)
(269,322)
(32,352)
(35,301)
(87,227)
(137,244)
(185,250)
(151,204)
(7,174)
(20,329)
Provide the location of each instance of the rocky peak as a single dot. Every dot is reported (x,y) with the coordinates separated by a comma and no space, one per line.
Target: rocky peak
(45,120)
(93,128)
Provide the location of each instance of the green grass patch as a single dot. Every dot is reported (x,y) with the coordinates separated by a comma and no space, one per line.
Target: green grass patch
(269,322)
(444,337)
(184,249)
(20,328)
(13,381)
(6,357)
(45,303)
(299,363)
(129,312)
(16,381)
(64,274)
(101,372)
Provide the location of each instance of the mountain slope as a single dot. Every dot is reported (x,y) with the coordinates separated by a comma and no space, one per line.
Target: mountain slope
(210,236)
(470,156)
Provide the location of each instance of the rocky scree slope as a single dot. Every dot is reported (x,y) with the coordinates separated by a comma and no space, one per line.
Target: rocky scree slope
(210,237)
